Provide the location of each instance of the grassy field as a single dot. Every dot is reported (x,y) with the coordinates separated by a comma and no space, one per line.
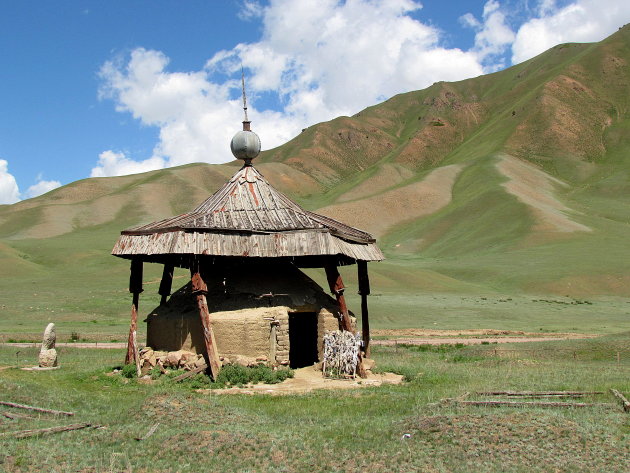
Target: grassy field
(103,314)
(327,431)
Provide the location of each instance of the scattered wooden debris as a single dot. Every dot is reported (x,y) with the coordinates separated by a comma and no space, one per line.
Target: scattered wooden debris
(149,433)
(36,409)
(624,402)
(21,434)
(528,404)
(190,373)
(15,415)
(540,393)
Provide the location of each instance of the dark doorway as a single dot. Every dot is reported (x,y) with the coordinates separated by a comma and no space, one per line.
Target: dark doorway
(302,339)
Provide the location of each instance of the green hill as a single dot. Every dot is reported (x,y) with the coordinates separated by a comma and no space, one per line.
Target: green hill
(516,182)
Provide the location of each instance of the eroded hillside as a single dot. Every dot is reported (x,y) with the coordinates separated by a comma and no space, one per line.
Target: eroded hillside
(513,181)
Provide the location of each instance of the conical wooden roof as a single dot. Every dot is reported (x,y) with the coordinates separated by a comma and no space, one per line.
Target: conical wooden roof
(248,217)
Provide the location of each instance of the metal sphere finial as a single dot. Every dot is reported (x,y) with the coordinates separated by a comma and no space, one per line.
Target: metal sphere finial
(245,145)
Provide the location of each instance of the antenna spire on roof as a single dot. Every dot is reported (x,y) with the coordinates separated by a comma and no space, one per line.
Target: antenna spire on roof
(246,122)
(245,145)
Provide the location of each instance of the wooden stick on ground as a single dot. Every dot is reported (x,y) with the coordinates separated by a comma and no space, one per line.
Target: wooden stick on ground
(15,415)
(149,433)
(527,404)
(624,402)
(539,393)
(21,434)
(190,373)
(36,409)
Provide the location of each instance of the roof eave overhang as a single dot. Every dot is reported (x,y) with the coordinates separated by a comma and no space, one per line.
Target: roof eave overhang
(233,231)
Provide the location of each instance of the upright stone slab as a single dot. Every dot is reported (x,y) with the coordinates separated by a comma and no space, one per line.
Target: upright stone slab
(48,354)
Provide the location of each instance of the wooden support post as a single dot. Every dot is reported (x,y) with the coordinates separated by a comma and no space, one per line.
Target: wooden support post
(199,291)
(337,288)
(364,291)
(135,287)
(166,283)
(273,341)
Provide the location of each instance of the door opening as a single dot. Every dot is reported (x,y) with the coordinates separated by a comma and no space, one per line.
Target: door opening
(302,339)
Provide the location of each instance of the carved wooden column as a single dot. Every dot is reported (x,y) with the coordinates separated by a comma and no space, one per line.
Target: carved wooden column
(135,287)
(364,291)
(200,289)
(166,283)
(337,288)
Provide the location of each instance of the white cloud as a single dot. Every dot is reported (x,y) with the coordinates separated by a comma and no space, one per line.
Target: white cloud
(493,35)
(319,59)
(469,20)
(117,164)
(41,187)
(250,9)
(9,192)
(580,21)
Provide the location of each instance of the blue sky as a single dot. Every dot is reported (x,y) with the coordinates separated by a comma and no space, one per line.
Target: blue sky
(93,88)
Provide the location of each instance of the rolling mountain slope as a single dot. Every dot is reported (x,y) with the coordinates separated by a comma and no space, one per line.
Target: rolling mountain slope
(514,182)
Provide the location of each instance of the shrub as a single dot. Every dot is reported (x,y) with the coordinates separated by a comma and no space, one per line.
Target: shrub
(129,371)
(200,381)
(233,374)
(237,375)
(155,372)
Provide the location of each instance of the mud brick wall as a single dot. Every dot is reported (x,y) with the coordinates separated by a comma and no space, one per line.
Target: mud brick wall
(282,339)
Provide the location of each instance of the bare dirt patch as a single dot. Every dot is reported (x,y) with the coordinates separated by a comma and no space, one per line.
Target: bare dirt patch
(379,213)
(388,176)
(463,341)
(468,337)
(309,379)
(421,332)
(535,188)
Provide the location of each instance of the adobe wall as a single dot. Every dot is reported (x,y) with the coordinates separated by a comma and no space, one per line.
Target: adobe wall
(254,333)
(245,332)
(249,313)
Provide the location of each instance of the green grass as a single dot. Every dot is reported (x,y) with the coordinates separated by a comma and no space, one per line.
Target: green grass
(330,430)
